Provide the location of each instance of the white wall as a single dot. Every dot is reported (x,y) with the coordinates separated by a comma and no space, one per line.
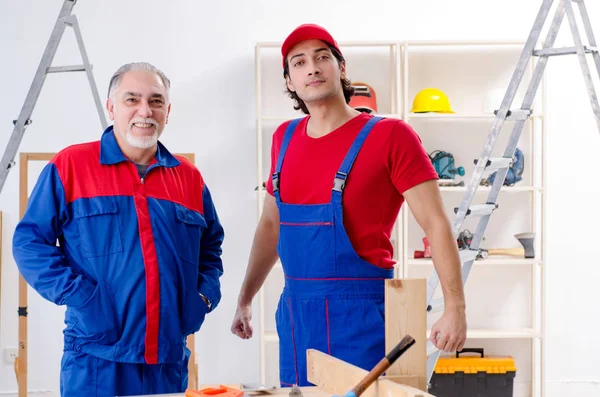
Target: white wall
(207,49)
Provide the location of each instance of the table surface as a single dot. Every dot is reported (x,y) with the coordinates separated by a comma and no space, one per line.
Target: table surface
(280,392)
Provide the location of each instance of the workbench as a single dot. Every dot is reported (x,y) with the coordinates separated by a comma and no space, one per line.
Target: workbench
(311,391)
(404,315)
(332,376)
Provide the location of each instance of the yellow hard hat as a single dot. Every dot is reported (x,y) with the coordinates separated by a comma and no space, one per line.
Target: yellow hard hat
(431,100)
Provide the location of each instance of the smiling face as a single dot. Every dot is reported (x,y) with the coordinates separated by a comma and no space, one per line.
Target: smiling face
(314,72)
(140,109)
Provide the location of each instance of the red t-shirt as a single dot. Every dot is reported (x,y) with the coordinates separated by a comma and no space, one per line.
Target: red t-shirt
(391,161)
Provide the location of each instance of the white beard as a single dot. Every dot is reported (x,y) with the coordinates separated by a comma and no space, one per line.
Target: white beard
(144,142)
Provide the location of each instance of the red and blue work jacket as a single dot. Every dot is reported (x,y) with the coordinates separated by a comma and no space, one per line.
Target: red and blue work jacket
(128,255)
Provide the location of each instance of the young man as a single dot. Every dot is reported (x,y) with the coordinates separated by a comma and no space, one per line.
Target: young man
(138,262)
(339,180)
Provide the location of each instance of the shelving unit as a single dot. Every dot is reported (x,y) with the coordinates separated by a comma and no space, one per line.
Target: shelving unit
(504,294)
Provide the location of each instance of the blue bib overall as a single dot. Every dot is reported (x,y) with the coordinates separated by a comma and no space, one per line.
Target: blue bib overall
(333,300)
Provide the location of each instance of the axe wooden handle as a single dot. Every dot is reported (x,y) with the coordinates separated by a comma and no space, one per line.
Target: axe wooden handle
(507,251)
(383,365)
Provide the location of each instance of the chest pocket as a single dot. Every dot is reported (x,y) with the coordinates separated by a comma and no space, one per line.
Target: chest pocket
(190,226)
(98,225)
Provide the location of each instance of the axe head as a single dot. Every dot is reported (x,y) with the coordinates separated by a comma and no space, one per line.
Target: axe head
(527,241)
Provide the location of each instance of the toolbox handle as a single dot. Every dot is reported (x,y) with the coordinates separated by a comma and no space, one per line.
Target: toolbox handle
(470,350)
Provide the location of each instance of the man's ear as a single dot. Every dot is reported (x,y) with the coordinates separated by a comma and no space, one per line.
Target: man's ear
(168,112)
(289,83)
(110,106)
(343,69)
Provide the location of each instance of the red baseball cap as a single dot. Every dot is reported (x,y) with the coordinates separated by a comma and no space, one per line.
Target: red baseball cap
(304,32)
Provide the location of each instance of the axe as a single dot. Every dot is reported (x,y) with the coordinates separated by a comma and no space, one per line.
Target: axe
(527,251)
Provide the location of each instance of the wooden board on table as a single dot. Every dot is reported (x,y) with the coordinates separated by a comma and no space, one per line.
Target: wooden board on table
(336,377)
(406,314)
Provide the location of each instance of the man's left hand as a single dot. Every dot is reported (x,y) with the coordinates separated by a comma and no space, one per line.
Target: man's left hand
(449,333)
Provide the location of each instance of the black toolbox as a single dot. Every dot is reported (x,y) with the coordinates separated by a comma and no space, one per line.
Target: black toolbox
(473,376)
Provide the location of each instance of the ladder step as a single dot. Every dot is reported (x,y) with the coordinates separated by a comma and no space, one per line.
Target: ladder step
(62,69)
(563,51)
(29,121)
(517,114)
(436,305)
(468,255)
(495,164)
(479,209)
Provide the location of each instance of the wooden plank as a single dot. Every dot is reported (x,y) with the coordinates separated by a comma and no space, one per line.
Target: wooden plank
(191,339)
(1,264)
(405,314)
(388,388)
(333,375)
(408,380)
(336,377)
(192,366)
(39,156)
(21,361)
(190,156)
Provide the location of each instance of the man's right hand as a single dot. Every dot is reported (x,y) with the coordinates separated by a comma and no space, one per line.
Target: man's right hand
(241,322)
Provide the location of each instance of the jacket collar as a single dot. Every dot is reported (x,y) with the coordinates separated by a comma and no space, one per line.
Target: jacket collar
(110,152)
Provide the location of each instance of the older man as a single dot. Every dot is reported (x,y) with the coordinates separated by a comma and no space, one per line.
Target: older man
(138,260)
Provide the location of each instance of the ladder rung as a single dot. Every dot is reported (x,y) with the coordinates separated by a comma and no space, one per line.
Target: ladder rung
(563,51)
(517,114)
(62,69)
(479,209)
(468,255)
(495,164)
(436,305)
(27,122)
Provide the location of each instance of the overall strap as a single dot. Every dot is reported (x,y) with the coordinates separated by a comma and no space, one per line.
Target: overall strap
(340,178)
(284,145)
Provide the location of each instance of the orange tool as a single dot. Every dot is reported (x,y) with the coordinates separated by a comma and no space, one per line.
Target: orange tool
(220,391)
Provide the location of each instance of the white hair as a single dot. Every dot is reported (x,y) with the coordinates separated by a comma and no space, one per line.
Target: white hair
(133,66)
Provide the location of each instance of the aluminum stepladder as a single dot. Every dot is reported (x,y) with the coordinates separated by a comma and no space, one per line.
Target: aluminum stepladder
(484,163)
(65,19)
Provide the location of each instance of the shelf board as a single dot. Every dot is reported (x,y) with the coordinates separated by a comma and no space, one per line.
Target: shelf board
(416,116)
(424,43)
(513,189)
(285,118)
(375,43)
(459,43)
(509,333)
(458,116)
(495,261)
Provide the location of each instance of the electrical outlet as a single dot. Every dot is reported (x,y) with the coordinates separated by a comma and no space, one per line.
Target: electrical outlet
(10,354)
